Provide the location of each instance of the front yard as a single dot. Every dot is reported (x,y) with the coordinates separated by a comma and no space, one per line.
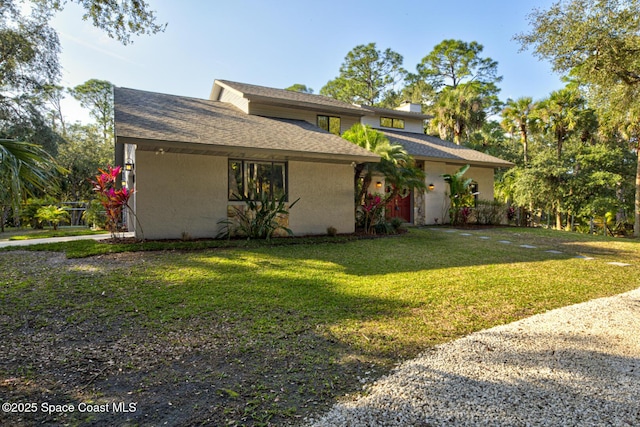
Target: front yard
(268,335)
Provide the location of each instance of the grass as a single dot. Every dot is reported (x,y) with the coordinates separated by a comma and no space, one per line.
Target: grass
(270,333)
(28,234)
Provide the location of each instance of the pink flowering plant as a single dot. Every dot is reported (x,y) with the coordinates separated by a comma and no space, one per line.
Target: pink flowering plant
(112,199)
(371,213)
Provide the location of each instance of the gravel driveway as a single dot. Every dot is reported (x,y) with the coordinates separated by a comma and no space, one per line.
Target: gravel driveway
(574,366)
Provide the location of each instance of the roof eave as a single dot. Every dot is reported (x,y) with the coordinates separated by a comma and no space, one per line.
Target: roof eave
(190,147)
(458,161)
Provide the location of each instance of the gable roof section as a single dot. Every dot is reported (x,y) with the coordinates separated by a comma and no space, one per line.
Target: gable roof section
(190,125)
(425,147)
(285,98)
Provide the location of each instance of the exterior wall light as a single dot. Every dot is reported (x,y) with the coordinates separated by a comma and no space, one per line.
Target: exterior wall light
(128,166)
(378,184)
(431,187)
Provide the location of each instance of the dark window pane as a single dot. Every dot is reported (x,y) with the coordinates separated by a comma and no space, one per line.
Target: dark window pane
(236,191)
(278,180)
(251,179)
(323,122)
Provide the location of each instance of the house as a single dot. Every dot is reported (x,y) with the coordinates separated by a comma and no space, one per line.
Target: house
(192,160)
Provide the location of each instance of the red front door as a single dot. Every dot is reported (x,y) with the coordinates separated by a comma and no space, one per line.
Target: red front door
(400,207)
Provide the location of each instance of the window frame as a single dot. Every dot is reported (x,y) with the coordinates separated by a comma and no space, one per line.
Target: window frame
(394,120)
(245,175)
(329,120)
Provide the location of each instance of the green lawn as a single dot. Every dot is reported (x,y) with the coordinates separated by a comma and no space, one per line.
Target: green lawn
(270,333)
(28,233)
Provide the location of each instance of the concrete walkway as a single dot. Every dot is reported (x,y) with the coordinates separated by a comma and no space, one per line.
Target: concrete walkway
(7,243)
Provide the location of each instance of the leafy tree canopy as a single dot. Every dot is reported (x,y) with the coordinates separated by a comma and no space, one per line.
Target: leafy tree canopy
(367,76)
(97,97)
(298,87)
(119,19)
(453,62)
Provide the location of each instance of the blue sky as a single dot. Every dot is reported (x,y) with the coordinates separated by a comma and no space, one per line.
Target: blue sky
(281,42)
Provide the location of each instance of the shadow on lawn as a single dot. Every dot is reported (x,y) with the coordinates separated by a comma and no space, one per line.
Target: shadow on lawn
(246,337)
(215,339)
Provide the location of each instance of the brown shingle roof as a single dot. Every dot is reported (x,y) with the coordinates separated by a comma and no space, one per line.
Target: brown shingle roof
(291,98)
(427,147)
(150,119)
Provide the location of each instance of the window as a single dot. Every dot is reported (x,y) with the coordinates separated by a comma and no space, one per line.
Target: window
(330,124)
(249,179)
(388,122)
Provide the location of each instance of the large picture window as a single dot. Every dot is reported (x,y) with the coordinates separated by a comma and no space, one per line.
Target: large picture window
(250,179)
(330,124)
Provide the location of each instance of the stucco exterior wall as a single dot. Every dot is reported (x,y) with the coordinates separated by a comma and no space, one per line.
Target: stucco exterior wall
(326,197)
(180,193)
(436,202)
(410,125)
(186,193)
(298,114)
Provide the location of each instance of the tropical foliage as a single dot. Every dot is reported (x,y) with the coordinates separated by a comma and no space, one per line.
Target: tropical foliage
(112,198)
(258,219)
(52,214)
(397,167)
(460,196)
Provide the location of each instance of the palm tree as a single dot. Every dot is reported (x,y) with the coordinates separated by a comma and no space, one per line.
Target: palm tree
(374,141)
(560,114)
(24,169)
(516,116)
(457,111)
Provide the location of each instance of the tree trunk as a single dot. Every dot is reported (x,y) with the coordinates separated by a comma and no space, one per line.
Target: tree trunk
(636,213)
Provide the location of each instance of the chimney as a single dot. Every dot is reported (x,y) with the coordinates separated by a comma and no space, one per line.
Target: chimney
(410,107)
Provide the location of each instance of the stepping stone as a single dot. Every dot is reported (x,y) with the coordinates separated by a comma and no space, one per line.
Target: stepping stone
(554,252)
(586,258)
(466,234)
(619,264)
(485,237)
(451,231)
(528,247)
(506,242)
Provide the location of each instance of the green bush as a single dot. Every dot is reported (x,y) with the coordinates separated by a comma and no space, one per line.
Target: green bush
(53,215)
(94,215)
(490,212)
(257,219)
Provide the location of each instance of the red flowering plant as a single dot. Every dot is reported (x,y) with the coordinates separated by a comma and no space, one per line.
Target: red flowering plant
(371,213)
(112,199)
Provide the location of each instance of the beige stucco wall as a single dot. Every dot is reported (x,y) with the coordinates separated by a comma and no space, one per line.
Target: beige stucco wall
(437,201)
(186,193)
(326,197)
(180,193)
(299,114)
(410,125)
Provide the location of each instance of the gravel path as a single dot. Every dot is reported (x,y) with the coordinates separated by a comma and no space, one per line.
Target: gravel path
(574,366)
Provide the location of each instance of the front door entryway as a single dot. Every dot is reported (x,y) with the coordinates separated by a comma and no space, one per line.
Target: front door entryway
(400,207)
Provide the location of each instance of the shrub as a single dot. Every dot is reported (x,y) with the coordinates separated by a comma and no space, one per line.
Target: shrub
(371,214)
(113,199)
(397,224)
(257,219)
(490,212)
(94,215)
(332,231)
(53,215)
